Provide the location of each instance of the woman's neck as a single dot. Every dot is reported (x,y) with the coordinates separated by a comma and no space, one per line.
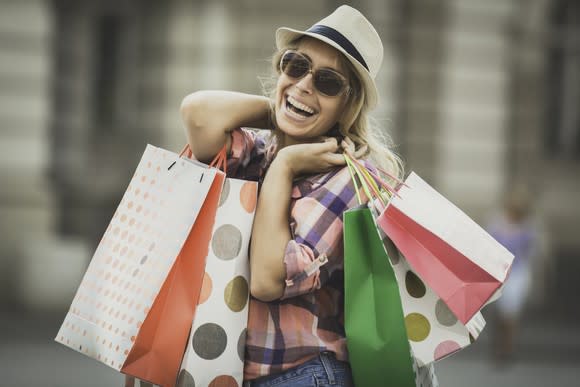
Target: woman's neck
(285,140)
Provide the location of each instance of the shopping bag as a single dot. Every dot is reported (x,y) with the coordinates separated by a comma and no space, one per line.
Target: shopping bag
(216,345)
(378,348)
(134,306)
(434,332)
(459,260)
(377,340)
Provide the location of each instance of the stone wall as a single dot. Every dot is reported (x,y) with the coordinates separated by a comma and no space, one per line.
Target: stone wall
(27,206)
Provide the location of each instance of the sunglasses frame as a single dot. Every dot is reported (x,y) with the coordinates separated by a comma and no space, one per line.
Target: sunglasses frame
(345,86)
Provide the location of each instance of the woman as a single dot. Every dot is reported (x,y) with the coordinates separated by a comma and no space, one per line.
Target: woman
(516,230)
(324,91)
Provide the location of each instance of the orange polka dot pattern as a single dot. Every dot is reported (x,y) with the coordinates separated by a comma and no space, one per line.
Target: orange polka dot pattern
(432,329)
(134,256)
(215,351)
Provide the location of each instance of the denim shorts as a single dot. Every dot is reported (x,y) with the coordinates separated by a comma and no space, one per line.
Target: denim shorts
(323,370)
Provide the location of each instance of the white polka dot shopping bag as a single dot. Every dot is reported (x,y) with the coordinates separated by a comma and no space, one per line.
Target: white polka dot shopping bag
(214,355)
(433,331)
(215,350)
(134,306)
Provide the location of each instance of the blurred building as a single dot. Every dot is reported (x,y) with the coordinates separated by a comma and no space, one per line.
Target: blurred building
(476,94)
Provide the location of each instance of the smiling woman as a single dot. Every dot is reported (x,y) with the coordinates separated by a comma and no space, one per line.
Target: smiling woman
(317,108)
(304,107)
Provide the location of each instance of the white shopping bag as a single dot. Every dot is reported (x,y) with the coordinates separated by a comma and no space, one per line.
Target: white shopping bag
(127,312)
(457,258)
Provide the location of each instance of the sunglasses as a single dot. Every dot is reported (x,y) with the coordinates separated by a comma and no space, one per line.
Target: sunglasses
(328,82)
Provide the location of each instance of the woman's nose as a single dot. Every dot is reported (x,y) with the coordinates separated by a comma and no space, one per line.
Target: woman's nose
(306,83)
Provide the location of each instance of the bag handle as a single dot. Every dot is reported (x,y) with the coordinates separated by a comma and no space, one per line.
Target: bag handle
(219,161)
(372,184)
(357,175)
(376,177)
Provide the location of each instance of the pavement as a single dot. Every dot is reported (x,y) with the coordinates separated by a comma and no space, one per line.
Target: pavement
(548,354)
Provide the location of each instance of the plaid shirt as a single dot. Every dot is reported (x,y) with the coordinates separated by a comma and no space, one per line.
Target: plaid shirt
(309,318)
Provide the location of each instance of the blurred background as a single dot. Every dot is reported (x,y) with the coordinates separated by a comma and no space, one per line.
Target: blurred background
(479,96)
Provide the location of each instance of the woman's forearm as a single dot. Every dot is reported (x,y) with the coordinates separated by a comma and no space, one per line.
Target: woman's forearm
(208,115)
(271,233)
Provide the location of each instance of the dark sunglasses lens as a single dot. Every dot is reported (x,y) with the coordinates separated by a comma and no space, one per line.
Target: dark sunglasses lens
(294,65)
(328,83)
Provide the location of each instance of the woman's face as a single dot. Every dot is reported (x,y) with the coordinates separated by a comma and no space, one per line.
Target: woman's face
(302,113)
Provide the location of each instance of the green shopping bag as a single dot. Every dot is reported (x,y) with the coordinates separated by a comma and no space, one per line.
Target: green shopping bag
(378,347)
(377,342)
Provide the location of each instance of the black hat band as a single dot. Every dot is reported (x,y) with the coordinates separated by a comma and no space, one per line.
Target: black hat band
(340,39)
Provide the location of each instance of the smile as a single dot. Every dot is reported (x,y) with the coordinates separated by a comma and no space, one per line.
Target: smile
(299,108)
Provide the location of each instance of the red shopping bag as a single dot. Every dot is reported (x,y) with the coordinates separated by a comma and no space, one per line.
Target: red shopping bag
(134,306)
(457,258)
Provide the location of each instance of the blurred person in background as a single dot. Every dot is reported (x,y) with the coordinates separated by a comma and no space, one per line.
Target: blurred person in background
(324,89)
(515,229)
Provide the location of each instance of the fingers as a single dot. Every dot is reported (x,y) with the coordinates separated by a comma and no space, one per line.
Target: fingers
(348,145)
(361,152)
(314,157)
(328,149)
(328,144)
(335,159)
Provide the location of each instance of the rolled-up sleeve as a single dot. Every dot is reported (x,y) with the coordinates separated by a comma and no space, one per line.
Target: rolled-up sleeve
(248,155)
(302,269)
(316,249)
(241,151)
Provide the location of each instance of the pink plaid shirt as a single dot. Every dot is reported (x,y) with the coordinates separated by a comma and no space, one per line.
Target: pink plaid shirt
(309,318)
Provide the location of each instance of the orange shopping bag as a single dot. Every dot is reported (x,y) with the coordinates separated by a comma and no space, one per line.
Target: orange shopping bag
(134,307)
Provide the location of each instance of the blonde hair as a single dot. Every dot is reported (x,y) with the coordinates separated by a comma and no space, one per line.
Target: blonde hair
(355,122)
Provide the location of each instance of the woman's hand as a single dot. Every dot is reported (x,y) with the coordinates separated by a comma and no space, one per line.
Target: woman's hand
(311,158)
(348,146)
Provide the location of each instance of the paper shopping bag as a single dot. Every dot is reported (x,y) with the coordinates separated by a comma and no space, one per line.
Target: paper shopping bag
(378,348)
(434,332)
(454,256)
(216,345)
(134,306)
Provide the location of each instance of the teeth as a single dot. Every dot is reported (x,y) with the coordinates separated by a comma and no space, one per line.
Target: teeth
(300,106)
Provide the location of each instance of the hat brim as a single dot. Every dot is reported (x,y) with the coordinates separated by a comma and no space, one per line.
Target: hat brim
(285,36)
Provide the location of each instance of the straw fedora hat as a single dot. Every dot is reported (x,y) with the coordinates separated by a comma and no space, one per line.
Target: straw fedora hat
(347,30)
